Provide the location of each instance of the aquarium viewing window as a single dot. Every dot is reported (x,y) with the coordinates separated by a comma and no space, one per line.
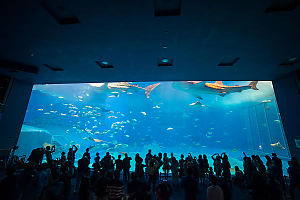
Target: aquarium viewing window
(198,117)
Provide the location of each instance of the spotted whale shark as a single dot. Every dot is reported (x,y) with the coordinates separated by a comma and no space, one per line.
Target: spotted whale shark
(196,88)
(125,87)
(85,91)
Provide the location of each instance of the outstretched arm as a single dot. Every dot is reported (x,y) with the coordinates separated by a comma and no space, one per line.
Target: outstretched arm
(76,148)
(53,149)
(212,157)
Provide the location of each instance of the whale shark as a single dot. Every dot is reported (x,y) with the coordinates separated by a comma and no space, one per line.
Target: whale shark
(125,87)
(196,88)
(84,91)
(116,86)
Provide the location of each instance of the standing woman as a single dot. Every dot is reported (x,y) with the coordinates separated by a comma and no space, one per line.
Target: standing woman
(217,164)
(139,167)
(226,167)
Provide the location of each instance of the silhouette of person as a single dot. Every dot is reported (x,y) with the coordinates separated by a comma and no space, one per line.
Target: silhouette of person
(166,165)
(71,158)
(217,164)
(126,167)
(214,191)
(139,167)
(119,165)
(147,158)
(294,174)
(87,154)
(48,152)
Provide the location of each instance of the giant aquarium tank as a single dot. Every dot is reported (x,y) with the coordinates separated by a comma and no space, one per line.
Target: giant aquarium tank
(180,117)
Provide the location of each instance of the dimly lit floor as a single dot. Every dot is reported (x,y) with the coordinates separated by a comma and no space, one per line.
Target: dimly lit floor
(238,193)
(178,193)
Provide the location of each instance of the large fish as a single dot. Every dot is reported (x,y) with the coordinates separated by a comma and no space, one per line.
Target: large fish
(123,87)
(116,87)
(197,104)
(84,91)
(64,91)
(196,88)
(277,146)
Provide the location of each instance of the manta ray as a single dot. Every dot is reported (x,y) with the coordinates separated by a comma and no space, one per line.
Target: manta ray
(277,146)
(196,88)
(125,87)
(197,104)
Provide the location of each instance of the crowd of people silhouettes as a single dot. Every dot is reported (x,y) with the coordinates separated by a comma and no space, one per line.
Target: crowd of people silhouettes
(110,178)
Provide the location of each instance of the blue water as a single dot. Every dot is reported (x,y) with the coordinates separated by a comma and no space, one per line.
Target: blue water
(120,118)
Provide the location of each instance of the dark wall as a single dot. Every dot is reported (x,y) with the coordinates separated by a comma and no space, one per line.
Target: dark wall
(14,112)
(288,99)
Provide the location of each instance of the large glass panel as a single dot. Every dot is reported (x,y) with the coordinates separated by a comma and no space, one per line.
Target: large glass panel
(180,117)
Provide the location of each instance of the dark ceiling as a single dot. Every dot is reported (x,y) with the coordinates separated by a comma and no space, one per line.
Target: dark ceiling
(45,37)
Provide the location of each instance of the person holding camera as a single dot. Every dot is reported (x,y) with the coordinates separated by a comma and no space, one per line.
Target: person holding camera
(48,152)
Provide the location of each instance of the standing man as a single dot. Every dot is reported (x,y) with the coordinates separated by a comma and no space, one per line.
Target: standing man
(71,158)
(119,165)
(181,166)
(149,156)
(87,154)
(126,167)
